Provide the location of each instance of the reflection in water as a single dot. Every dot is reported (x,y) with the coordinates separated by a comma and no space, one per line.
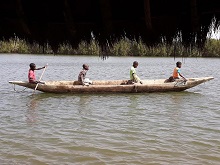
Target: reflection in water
(133,101)
(179,101)
(32,115)
(84,104)
(176,99)
(34,101)
(154,128)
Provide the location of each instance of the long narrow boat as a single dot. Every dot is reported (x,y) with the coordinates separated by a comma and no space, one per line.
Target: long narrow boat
(114,86)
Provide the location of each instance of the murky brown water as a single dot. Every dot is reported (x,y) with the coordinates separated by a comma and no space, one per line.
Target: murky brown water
(156,128)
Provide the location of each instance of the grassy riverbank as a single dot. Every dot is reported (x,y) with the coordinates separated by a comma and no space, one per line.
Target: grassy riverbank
(122,47)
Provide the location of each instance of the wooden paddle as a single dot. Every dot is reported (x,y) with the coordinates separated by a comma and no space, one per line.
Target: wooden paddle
(40,77)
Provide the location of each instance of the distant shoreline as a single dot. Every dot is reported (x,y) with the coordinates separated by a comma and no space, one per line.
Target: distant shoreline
(122,47)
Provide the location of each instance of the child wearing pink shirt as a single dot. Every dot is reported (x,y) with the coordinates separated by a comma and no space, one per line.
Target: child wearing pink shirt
(31,73)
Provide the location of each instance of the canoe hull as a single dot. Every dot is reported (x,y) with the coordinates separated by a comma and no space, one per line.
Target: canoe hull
(113,86)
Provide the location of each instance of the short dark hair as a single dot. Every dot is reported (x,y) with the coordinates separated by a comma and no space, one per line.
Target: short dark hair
(32,65)
(84,65)
(178,63)
(135,63)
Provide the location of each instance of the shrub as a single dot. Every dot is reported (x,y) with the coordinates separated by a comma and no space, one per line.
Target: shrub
(14,45)
(121,47)
(66,49)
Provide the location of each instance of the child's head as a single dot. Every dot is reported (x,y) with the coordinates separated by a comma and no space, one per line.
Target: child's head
(85,66)
(32,66)
(178,64)
(135,64)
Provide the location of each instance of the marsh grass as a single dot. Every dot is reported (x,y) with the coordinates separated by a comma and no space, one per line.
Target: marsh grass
(17,45)
(212,48)
(14,45)
(121,47)
(90,48)
(65,48)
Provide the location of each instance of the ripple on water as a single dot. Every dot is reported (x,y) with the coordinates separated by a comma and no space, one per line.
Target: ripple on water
(155,128)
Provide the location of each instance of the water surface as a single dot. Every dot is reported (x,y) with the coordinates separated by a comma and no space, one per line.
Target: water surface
(156,128)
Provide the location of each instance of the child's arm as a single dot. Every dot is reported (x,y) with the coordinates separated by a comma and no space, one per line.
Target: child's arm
(82,79)
(182,76)
(136,78)
(40,68)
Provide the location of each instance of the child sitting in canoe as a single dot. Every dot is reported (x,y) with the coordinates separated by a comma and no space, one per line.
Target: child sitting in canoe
(133,75)
(31,73)
(82,76)
(176,74)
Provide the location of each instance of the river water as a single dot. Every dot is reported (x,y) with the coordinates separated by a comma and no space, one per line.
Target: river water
(95,129)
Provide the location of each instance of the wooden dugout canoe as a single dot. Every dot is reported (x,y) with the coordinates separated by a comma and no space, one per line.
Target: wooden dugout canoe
(114,86)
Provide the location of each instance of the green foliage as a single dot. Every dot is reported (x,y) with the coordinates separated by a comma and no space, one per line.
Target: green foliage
(82,48)
(65,49)
(91,48)
(36,48)
(212,48)
(138,48)
(122,47)
(14,45)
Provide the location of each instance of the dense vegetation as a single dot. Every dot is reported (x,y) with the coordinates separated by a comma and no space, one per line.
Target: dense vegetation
(122,47)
